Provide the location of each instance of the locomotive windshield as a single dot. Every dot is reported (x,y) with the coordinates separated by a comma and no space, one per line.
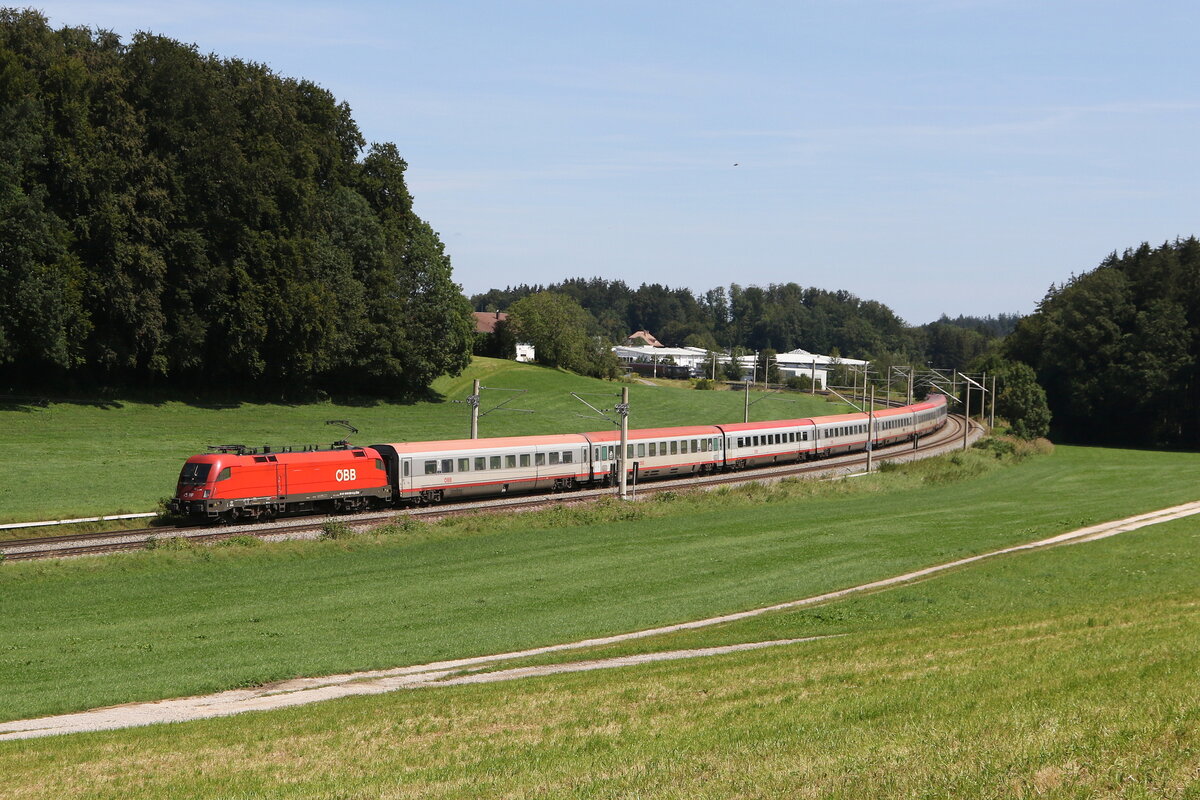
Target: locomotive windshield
(195,473)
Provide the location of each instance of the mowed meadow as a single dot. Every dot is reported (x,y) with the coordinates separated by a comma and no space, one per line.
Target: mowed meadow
(1065,672)
(92,457)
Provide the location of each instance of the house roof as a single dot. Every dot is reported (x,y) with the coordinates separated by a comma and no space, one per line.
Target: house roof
(649,337)
(485,321)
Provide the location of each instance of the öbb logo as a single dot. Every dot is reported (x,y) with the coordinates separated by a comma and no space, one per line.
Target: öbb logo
(346,475)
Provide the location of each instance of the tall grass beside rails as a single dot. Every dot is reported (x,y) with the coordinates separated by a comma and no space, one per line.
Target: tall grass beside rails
(1061,673)
(91,632)
(67,460)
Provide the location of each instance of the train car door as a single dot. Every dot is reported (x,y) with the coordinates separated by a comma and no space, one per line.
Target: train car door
(405,476)
(280,479)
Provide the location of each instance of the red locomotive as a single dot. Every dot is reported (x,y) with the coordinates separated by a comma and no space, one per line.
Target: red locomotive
(238,482)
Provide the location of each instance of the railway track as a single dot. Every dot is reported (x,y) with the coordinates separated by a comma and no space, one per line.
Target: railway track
(948,438)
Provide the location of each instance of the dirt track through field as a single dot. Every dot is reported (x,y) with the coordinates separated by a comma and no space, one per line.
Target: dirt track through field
(302,691)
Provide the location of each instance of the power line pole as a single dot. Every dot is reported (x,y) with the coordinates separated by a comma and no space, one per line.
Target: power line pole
(966,411)
(992,422)
(623,411)
(473,402)
(870,429)
(746,413)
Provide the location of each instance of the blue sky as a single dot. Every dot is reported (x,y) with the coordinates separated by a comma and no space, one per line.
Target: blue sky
(953,156)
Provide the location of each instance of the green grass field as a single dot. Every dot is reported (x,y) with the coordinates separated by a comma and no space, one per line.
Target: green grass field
(70,460)
(93,632)
(1064,673)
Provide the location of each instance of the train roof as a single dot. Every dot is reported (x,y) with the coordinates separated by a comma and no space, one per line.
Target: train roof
(283,456)
(655,433)
(446,445)
(734,427)
(832,418)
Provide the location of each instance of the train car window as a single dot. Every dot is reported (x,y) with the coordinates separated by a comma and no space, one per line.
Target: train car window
(641,450)
(596,455)
(554,458)
(704,445)
(628,451)
(662,448)
(430,467)
(653,449)
(379,463)
(260,459)
(568,457)
(494,462)
(524,459)
(447,465)
(539,459)
(464,465)
(225,473)
(510,462)
(675,448)
(695,445)
(480,462)
(406,469)
(804,435)
(741,441)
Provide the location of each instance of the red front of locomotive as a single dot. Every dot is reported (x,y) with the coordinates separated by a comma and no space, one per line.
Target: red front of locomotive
(229,486)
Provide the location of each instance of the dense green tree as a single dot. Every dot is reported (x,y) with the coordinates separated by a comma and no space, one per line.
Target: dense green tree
(1116,348)
(1020,399)
(169,216)
(559,329)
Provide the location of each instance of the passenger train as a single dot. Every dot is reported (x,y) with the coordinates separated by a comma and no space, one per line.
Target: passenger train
(237,482)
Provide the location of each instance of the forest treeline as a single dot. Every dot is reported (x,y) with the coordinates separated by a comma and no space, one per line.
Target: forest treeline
(777,317)
(171,218)
(1117,349)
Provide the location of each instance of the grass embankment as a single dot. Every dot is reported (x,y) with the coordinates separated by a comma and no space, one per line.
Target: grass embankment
(1059,673)
(79,634)
(67,460)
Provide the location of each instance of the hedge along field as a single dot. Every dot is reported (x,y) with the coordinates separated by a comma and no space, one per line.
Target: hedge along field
(106,457)
(94,632)
(1061,673)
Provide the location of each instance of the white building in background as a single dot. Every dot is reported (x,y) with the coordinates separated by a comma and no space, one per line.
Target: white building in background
(691,357)
(797,363)
(792,364)
(525,352)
